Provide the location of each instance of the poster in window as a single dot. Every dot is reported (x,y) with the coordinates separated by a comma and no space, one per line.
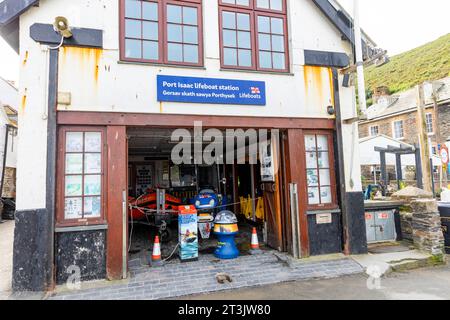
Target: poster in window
(323,160)
(92,185)
(74,141)
(310,143)
(92,207)
(311,160)
(175,176)
(325,195)
(322,143)
(92,142)
(267,165)
(144,178)
(313,196)
(92,163)
(313,179)
(72,208)
(74,163)
(73,186)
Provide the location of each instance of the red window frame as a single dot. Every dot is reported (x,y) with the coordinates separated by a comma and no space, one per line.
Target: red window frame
(333,186)
(162,32)
(254,13)
(61,220)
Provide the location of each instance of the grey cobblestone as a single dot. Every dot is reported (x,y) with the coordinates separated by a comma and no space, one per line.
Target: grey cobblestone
(177,279)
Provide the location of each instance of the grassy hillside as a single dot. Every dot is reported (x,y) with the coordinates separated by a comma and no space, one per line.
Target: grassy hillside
(428,62)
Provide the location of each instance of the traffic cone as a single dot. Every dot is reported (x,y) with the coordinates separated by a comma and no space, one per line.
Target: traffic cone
(254,246)
(156,254)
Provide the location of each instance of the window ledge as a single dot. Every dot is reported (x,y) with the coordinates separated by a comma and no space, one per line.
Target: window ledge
(313,212)
(81,228)
(152,64)
(257,71)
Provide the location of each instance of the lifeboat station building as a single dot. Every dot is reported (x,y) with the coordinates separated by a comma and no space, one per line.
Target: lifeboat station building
(147,105)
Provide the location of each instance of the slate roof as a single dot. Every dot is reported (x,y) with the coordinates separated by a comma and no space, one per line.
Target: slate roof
(407,101)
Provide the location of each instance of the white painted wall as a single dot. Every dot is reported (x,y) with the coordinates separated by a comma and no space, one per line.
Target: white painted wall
(8,97)
(123,87)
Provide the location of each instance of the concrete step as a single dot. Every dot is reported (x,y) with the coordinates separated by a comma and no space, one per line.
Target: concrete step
(384,263)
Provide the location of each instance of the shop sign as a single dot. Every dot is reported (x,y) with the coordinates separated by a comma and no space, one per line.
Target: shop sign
(210,90)
(323,218)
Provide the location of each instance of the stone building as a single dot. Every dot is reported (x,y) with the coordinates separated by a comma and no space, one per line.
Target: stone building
(396,116)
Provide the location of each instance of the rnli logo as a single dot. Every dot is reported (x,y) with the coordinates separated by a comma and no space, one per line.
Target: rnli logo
(255,90)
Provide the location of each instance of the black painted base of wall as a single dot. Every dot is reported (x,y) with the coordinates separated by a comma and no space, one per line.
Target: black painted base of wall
(325,238)
(356,223)
(32,251)
(83,249)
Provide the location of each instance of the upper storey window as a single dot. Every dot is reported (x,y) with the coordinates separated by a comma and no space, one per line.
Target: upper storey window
(253,35)
(165,31)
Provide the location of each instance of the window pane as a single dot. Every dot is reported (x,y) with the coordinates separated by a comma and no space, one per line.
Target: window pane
(93,142)
(243,21)
(190,53)
(311,160)
(133,29)
(92,163)
(174,33)
(322,143)
(278,60)
(264,41)
(325,195)
(190,15)
(74,163)
(150,11)
(263,4)
(312,178)
(150,50)
(278,43)
(73,186)
(245,58)
(230,57)
(263,24)
(324,162)
(92,206)
(277,25)
(190,34)
(173,13)
(150,31)
(229,38)
(133,48)
(133,9)
(228,20)
(74,141)
(242,2)
(244,40)
(72,208)
(276,5)
(175,52)
(310,143)
(92,185)
(265,60)
(313,196)
(325,179)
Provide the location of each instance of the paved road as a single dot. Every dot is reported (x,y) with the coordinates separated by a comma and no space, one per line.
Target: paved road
(429,283)
(6,245)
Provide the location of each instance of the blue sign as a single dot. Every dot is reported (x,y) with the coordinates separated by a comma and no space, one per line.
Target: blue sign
(209,90)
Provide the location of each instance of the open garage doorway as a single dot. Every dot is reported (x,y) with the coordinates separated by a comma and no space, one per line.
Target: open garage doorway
(157,186)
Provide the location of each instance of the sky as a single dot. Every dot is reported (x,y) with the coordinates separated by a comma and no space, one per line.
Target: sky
(395,25)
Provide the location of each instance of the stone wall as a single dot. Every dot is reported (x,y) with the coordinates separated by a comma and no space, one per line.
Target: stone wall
(426,226)
(444,121)
(9,187)
(410,127)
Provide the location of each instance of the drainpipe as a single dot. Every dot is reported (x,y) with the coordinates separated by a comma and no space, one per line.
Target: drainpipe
(5,151)
(359,60)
